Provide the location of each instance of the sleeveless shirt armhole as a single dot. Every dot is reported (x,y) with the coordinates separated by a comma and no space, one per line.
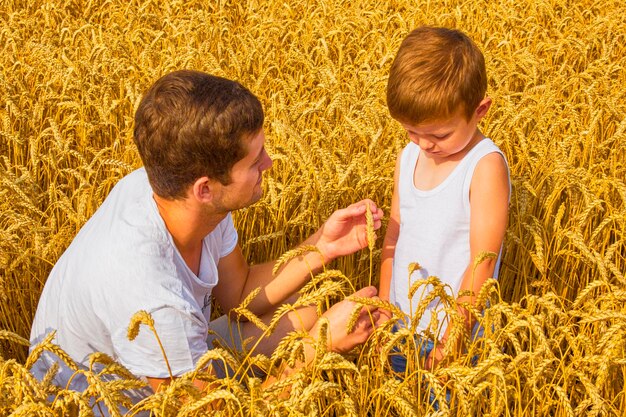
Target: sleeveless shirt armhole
(407,158)
(490,148)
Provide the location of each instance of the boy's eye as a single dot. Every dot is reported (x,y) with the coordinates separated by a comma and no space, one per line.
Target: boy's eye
(441,136)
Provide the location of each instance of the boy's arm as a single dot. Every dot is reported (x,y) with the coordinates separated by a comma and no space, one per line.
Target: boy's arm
(343,233)
(389,243)
(489,203)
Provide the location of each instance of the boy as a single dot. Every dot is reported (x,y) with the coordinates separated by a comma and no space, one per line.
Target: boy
(451,184)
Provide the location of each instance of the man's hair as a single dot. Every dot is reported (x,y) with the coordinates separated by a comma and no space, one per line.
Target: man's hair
(190,124)
(436,72)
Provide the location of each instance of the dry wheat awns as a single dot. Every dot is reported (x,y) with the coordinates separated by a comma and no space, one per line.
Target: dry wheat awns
(554,344)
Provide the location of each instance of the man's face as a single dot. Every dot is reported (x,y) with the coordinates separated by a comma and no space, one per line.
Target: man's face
(246,175)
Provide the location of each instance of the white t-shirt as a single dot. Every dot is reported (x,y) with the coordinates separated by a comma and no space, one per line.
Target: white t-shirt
(124,260)
(434,232)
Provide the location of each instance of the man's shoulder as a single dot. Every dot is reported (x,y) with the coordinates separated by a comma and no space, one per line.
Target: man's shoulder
(135,181)
(129,204)
(123,231)
(223,239)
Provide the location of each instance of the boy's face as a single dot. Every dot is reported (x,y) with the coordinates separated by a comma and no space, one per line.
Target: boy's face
(450,138)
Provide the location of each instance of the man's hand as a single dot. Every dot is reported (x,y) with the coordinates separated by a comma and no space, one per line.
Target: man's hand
(384,317)
(339,340)
(345,231)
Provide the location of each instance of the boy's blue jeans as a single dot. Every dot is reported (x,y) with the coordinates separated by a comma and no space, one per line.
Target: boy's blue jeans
(398,361)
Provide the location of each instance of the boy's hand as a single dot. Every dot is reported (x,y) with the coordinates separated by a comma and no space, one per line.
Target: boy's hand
(434,357)
(339,340)
(345,231)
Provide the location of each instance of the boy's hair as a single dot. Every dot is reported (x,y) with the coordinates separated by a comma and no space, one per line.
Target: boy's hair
(436,72)
(190,124)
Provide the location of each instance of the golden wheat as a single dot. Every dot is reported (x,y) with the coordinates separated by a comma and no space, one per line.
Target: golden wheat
(73,71)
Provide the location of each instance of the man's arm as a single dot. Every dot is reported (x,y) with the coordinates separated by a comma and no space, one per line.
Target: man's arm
(489,202)
(339,340)
(344,232)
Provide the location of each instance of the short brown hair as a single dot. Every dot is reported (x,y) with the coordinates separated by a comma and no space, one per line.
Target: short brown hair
(436,72)
(190,124)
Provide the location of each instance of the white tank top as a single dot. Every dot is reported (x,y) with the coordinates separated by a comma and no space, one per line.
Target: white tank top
(434,231)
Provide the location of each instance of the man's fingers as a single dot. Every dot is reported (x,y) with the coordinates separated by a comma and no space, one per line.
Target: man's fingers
(366,292)
(368,321)
(352,210)
(363,329)
(377,213)
(368,311)
(362,236)
(360,208)
(375,315)
(368,316)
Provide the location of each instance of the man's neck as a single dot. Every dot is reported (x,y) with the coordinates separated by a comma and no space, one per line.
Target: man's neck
(188,224)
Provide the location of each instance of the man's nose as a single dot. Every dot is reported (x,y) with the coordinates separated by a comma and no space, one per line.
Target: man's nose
(267,162)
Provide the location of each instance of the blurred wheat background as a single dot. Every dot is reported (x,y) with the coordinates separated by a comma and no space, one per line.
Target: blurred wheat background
(72,72)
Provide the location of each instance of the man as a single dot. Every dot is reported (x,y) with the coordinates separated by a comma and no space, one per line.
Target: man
(163,241)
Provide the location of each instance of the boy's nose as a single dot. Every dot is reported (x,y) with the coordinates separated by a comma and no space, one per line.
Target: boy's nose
(425,144)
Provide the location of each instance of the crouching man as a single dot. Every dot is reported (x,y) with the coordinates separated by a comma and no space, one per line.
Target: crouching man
(164,241)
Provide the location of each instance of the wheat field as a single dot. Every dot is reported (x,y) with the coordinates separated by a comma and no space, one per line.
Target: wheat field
(72,72)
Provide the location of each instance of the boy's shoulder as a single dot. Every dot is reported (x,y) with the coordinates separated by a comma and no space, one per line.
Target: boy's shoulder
(491,171)
(486,152)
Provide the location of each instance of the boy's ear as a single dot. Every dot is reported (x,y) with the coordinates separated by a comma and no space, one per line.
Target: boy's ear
(202,189)
(483,107)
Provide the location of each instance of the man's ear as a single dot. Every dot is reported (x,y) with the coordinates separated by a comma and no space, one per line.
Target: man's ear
(483,107)
(202,190)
